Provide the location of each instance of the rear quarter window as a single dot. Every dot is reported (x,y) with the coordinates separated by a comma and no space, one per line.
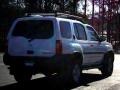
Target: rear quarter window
(65,29)
(41,29)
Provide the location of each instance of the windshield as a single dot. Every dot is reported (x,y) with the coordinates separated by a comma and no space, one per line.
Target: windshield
(41,29)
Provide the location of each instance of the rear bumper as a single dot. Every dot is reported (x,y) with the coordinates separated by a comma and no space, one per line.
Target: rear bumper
(42,64)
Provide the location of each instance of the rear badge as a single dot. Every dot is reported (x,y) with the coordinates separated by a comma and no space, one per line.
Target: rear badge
(30,64)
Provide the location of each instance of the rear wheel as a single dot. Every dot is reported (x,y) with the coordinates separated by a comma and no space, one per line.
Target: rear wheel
(22,76)
(76,73)
(72,72)
(107,67)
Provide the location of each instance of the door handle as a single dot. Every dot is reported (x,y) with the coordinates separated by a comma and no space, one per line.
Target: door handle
(74,37)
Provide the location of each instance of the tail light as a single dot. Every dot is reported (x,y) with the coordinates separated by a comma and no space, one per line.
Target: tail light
(58,47)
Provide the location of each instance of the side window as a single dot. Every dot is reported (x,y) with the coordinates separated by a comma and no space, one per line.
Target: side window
(92,34)
(65,29)
(80,31)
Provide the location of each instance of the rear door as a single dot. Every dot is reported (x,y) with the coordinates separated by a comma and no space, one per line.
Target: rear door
(32,38)
(82,39)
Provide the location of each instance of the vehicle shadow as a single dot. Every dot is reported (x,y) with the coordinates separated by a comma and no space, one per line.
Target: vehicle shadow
(54,83)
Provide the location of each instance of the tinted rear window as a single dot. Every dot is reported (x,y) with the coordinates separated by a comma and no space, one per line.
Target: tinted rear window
(41,29)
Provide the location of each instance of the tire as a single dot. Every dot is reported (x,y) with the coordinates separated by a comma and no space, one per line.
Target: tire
(22,76)
(76,74)
(6,59)
(107,67)
(72,73)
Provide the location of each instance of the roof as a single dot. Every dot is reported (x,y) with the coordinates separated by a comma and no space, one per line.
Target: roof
(56,15)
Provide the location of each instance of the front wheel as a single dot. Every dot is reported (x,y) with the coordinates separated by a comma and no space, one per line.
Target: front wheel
(107,67)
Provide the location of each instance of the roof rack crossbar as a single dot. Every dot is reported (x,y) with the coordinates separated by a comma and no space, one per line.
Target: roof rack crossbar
(57,14)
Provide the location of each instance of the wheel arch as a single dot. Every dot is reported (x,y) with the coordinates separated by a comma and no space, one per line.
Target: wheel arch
(78,56)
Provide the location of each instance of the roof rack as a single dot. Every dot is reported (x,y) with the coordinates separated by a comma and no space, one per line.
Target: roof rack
(60,15)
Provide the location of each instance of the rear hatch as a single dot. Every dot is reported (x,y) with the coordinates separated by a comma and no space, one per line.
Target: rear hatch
(32,38)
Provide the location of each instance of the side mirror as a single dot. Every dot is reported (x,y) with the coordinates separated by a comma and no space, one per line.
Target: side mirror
(102,38)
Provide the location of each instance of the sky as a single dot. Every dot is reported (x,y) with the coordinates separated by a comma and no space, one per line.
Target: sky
(88,9)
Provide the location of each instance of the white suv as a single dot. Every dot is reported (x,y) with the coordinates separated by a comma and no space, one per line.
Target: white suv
(48,45)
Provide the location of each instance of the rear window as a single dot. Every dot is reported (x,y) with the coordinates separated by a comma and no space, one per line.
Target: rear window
(41,29)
